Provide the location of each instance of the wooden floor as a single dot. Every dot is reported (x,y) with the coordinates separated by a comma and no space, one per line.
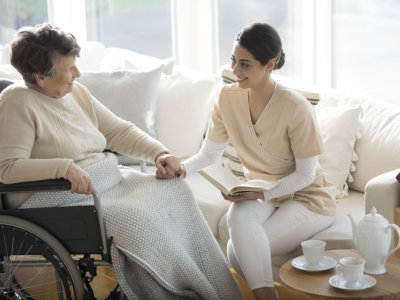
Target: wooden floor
(104,282)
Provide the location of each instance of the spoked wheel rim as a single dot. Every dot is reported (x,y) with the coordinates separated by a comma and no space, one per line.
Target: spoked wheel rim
(34,265)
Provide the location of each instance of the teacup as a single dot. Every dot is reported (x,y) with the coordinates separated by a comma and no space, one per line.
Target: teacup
(313,251)
(351,268)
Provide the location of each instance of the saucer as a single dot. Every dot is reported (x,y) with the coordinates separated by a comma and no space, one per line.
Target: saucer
(339,282)
(325,264)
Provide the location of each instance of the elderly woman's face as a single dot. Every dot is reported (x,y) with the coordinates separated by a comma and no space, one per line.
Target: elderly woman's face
(63,83)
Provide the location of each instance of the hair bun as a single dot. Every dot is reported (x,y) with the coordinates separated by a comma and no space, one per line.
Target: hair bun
(281,61)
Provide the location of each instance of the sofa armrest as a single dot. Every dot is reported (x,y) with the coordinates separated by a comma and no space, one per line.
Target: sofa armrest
(383,193)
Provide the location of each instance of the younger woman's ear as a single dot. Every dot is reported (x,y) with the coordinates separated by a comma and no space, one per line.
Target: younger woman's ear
(40,78)
(270,64)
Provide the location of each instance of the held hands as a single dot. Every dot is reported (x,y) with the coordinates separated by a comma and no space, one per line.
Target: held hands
(168,166)
(244,196)
(81,182)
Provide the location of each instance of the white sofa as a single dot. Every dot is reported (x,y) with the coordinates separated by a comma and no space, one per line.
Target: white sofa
(361,135)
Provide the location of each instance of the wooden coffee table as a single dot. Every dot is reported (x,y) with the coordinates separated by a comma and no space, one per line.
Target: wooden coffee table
(310,285)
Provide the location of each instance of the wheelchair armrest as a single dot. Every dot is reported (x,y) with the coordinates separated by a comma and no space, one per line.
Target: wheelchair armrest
(36,186)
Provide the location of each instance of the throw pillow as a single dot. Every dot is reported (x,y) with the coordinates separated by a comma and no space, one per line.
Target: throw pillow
(9,72)
(91,55)
(116,59)
(378,145)
(131,95)
(338,128)
(184,104)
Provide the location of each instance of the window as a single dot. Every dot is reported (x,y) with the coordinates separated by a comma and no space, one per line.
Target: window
(235,14)
(15,14)
(367,47)
(141,26)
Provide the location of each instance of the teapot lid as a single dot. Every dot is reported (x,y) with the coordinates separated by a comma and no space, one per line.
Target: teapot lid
(374,217)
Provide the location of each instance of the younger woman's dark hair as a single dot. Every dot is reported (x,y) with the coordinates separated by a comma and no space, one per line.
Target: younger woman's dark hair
(263,42)
(34,49)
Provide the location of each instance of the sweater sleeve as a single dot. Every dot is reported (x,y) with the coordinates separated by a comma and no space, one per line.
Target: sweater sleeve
(17,136)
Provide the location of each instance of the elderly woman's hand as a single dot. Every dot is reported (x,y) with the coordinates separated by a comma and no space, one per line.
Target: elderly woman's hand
(81,182)
(168,166)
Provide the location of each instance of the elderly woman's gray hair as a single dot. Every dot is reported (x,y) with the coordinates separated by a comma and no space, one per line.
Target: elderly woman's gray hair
(34,50)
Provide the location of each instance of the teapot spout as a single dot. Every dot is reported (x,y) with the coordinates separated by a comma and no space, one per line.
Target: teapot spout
(354,227)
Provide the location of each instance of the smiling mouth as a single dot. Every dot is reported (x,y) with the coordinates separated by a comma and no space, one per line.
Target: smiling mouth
(239,80)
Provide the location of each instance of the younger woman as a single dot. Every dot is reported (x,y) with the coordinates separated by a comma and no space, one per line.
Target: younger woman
(276,136)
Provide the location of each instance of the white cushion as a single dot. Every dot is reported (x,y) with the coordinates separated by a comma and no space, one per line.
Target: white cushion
(184,104)
(131,95)
(7,71)
(116,59)
(379,143)
(91,55)
(379,146)
(338,129)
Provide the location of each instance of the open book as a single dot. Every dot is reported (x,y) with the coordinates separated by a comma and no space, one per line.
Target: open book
(229,184)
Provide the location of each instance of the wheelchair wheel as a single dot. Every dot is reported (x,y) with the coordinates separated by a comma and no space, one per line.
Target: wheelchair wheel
(34,265)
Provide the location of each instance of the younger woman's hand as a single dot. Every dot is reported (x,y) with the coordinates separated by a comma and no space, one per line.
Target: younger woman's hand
(244,196)
(81,182)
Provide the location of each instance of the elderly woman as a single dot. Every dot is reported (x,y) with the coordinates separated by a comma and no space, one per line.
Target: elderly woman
(52,127)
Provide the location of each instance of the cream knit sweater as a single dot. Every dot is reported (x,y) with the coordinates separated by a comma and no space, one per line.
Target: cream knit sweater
(40,136)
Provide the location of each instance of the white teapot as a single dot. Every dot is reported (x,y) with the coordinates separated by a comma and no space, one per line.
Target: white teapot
(373,237)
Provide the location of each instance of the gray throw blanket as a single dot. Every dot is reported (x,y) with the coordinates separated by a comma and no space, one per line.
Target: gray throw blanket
(162,247)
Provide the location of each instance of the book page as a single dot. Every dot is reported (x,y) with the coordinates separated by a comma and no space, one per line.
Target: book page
(222,178)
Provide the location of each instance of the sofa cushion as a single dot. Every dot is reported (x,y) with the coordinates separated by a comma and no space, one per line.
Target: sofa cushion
(131,95)
(91,55)
(379,145)
(185,99)
(379,142)
(338,129)
(116,59)
(9,72)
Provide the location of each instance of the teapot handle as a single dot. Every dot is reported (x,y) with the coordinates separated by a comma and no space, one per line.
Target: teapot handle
(397,229)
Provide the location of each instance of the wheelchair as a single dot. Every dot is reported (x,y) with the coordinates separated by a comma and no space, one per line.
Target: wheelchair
(51,253)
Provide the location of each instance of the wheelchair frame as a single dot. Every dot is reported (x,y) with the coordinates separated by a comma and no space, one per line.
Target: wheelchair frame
(85,235)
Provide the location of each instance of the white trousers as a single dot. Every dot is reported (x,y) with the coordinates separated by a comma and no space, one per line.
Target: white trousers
(260,230)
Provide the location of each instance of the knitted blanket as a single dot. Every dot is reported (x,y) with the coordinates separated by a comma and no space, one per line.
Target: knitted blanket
(162,248)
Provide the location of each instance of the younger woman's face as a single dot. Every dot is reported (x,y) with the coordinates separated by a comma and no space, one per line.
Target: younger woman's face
(248,71)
